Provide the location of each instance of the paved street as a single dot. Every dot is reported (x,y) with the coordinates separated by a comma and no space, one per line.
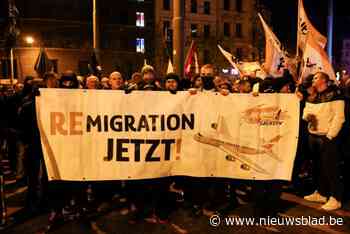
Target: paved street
(113,219)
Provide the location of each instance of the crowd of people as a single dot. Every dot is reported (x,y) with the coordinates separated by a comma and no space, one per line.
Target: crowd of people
(322,148)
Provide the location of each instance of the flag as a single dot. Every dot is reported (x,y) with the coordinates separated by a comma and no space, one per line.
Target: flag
(247,68)
(170,68)
(190,58)
(43,63)
(196,64)
(95,64)
(315,59)
(306,28)
(276,58)
(230,58)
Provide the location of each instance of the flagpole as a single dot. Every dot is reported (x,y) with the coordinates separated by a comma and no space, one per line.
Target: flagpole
(330,31)
(298,37)
(179,36)
(12,67)
(96,28)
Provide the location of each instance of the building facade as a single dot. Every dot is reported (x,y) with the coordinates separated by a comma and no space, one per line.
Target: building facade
(64,29)
(231,23)
(345,55)
(130,32)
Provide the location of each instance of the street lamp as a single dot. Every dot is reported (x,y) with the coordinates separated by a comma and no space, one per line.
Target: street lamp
(29,40)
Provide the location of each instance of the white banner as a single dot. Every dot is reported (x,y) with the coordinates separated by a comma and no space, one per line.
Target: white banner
(109,135)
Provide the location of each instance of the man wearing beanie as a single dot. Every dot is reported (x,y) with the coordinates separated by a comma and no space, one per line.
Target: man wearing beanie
(172,82)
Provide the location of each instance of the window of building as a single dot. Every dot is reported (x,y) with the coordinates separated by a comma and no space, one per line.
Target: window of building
(169,36)
(239,7)
(226,29)
(227,5)
(193,6)
(123,17)
(206,30)
(5,65)
(207,8)
(140,45)
(194,30)
(239,30)
(206,56)
(253,56)
(239,53)
(166,5)
(83,67)
(140,19)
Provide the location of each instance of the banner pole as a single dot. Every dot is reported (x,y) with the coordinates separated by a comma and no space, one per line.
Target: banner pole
(12,67)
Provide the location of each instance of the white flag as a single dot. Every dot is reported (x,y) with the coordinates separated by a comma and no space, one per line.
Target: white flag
(315,59)
(230,58)
(251,68)
(276,59)
(170,68)
(306,28)
(196,64)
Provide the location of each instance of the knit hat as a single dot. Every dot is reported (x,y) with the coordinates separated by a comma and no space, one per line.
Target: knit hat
(172,76)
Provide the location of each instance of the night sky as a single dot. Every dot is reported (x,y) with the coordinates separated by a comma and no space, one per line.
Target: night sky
(284,20)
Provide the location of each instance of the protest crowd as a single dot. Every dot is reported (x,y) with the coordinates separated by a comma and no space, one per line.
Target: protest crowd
(322,154)
(318,173)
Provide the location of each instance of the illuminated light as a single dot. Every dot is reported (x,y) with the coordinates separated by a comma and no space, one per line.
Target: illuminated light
(234,72)
(29,40)
(140,19)
(140,45)
(225,71)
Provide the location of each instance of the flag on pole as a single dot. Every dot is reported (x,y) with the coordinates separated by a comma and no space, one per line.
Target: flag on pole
(94,65)
(43,63)
(230,58)
(170,68)
(315,59)
(276,58)
(250,68)
(305,28)
(190,58)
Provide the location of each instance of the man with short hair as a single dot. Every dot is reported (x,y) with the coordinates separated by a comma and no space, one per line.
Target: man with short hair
(148,79)
(245,86)
(325,117)
(51,80)
(91,82)
(105,83)
(116,81)
(207,74)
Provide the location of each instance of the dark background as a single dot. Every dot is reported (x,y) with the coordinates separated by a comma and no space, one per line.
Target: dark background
(284,20)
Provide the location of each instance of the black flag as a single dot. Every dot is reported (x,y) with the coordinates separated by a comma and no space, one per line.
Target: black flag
(43,63)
